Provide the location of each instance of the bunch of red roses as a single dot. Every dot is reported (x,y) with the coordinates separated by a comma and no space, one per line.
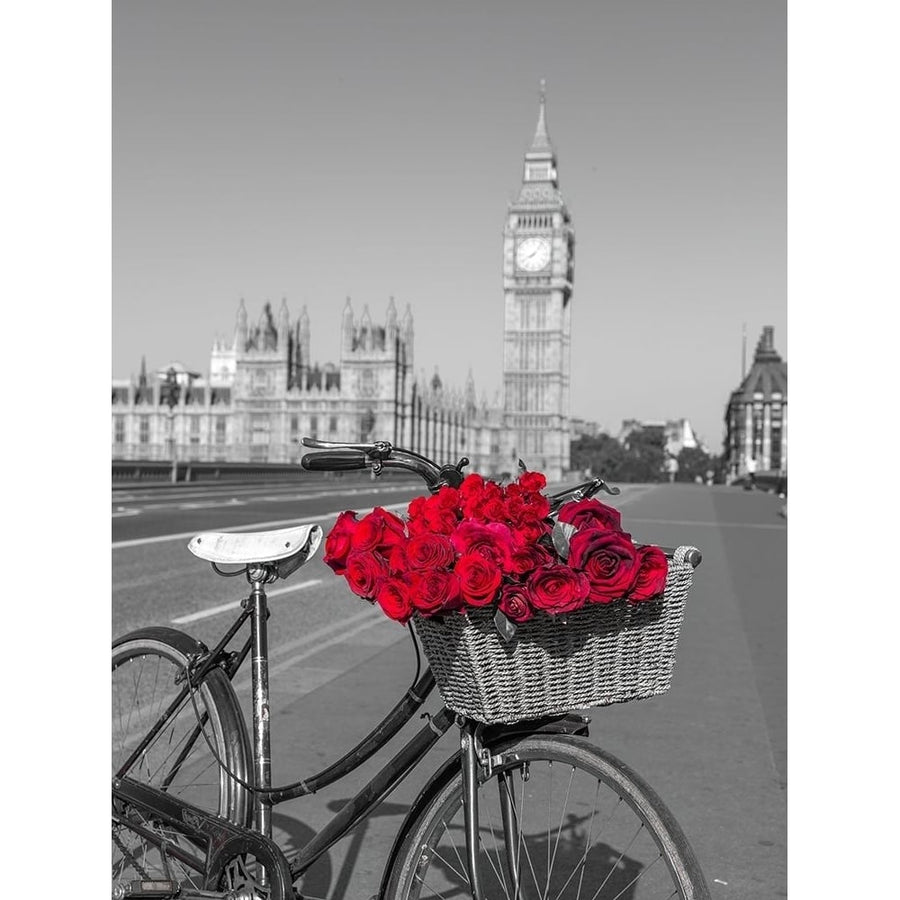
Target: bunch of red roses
(484,544)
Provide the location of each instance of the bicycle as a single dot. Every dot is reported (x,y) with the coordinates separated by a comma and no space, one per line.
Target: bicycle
(525,809)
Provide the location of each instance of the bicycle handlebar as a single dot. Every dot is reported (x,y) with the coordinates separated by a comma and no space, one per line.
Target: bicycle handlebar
(335,460)
(339,457)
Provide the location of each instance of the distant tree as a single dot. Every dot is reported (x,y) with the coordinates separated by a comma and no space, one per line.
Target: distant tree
(645,456)
(601,456)
(693,461)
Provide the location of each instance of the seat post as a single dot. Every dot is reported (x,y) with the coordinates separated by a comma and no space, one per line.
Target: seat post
(262,761)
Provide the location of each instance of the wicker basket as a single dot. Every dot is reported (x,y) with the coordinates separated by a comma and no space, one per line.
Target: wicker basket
(601,654)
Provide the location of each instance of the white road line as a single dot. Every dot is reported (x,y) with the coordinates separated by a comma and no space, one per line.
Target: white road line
(345,633)
(253,526)
(215,610)
(766,526)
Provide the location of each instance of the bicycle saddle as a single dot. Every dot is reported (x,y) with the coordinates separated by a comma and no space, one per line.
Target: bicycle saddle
(244,548)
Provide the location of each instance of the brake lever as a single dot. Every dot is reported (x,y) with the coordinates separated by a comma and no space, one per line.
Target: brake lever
(594,487)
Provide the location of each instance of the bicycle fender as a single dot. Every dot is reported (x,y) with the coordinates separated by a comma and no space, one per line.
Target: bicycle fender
(493,737)
(180,640)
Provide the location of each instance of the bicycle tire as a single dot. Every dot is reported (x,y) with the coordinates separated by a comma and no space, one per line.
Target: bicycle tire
(145,665)
(615,853)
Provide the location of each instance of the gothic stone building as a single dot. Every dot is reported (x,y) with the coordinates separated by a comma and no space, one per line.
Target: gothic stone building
(263,392)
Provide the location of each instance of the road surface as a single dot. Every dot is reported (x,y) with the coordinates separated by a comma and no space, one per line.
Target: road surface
(714,747)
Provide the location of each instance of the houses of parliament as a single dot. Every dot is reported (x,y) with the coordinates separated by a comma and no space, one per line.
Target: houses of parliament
(263,392)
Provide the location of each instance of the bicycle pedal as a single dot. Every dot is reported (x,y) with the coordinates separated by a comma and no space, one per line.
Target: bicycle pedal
(160,890)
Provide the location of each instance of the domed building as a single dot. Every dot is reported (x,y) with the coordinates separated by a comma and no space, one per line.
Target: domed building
(756,418)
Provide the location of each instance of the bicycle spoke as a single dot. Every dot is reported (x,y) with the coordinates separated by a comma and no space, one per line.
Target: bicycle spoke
(462,865)
(523,844)
(549,819)
(502,877)
(587,849)
(422,881)
(144,691)
(616,863)
(562,818)
(447,864)
(638,877)
(497,874)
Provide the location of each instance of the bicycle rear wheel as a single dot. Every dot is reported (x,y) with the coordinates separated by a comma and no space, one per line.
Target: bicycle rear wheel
(147,676)
(559,819)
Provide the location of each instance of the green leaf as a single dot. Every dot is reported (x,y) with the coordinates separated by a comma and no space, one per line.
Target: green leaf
(561,535)
(505,627)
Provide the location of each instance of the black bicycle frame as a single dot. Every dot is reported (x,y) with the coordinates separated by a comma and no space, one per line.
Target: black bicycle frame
(356,809)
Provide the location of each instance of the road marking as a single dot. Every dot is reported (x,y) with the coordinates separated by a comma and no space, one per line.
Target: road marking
(208,504)
(370,618)
(766,526)
(125,512)
(215,610)
(280,523)
(183,500)
(253,526)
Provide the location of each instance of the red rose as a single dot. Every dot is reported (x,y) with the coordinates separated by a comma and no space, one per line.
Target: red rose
(365,571)
(651,576)
(434,590)
(472,485)
(515,603)
(448,498)
(522,507)
(479,578)
(526,559)
(379,530)
(396,560)
(608,559)
(591,514)
(493,509)
(338,542)
(492,540)
(532,482)
(527,533)
(485,503)
(438,516)
(429,551)
(557,589)
(394,598)
(416,507)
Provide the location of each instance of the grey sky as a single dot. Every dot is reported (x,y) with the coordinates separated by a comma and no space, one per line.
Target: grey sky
(314,150)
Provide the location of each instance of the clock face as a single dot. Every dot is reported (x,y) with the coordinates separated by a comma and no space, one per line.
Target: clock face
(533,254)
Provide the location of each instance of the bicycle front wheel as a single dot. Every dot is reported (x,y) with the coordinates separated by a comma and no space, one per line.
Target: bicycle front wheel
(147,678)
(559,819)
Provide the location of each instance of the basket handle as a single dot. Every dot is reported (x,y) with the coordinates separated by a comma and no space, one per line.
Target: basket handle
(687,554)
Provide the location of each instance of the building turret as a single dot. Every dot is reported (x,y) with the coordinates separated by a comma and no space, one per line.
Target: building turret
(470,397)
(284,327)
(240,329)
(363,338)
(266,332)
(391,327)
(406,334)
(347,329)
(300,358)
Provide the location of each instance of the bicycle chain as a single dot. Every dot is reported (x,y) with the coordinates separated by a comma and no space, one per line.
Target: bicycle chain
(126,852)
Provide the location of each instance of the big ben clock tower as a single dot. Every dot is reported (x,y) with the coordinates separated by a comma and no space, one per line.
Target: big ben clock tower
(538,264)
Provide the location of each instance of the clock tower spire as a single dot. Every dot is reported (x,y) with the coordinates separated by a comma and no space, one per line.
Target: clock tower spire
(538,268)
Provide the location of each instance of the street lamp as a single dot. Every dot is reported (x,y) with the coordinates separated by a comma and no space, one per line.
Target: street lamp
(170,392)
